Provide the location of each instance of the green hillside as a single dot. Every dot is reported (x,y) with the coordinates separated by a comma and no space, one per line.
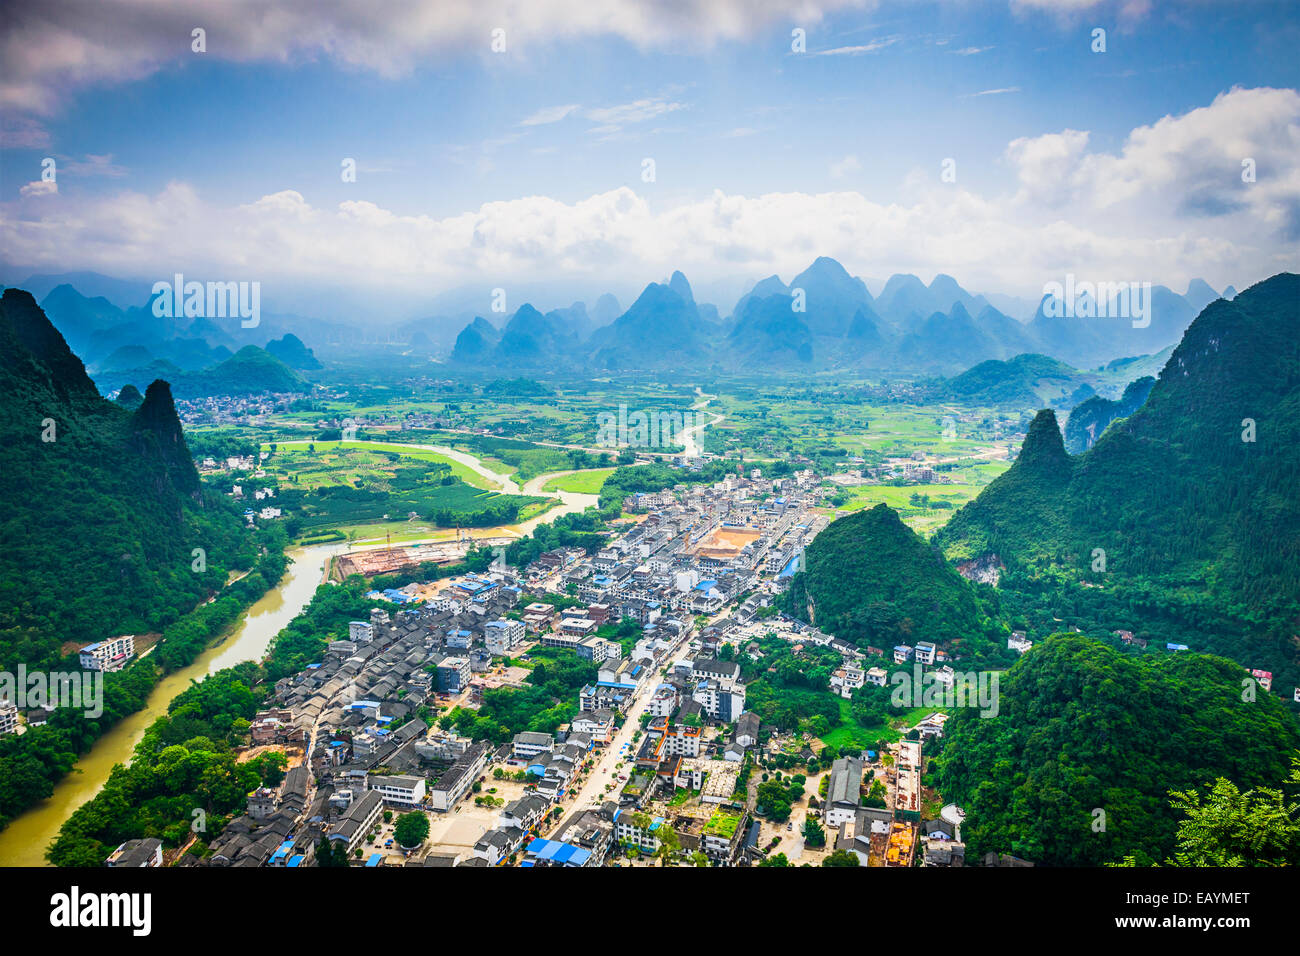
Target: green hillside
(1083,728)
(1191,501)
(870,579)
(100,520)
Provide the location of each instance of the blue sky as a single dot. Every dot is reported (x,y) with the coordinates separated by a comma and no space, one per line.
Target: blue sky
(181,144)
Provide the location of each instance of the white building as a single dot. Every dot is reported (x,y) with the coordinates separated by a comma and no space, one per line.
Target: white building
(8,717)
(502,636)
(402,791)
(110,655)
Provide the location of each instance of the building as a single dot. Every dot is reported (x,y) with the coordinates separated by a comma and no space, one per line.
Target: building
(453,674)
(457,780)
(722,836)
(529,744)
(542,852)
(844,791)
(925,652)
(399,791)
(136,853)
(360,631)
(847,679)
(501,637)
(8,717)
(1019,643)
(110,655)
(358,820)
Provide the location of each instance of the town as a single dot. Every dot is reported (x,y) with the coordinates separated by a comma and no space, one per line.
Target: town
(661,763)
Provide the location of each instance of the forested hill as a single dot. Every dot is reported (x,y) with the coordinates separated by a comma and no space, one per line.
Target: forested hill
(872,581)
(1190,503)
(103,506)
(1083,728)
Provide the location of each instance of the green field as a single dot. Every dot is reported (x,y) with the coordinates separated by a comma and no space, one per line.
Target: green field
(333,469)
(921,519)
(368,490)
(582,482)
(853,734)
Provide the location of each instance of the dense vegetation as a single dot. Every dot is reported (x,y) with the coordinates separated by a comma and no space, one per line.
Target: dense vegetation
(103,506)
(186,761)
(107,531)
(1077,766)
(872,581)
(1184,514)
(185,778)
(551,699)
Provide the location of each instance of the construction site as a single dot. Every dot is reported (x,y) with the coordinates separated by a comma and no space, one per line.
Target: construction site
(387,560)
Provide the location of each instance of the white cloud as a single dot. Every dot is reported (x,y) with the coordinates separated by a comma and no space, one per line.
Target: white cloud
(1168,206)
(872,47)
(638,111)
(841,168)
(552,114)
(997,92)
(48,50)
(971,50)
(39,187)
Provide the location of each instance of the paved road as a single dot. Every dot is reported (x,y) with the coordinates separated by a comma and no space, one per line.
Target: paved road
(592,792)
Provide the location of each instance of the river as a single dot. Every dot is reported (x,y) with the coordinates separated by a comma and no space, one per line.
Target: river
(24,841)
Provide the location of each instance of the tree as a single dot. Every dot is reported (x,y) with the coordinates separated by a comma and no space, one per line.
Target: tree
(1230,828)
(331,853)
(842,858)
(412,829)
(813,833)
(779,860)
(669,844)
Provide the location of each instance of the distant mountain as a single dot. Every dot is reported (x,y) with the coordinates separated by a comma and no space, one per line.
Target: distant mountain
(249,371)
(905,297)
(292,352)
(1024,380)
(772,285)
(768,332)
(910,328)
(1086,339)
(661,329)
(1191,498)
(1089,420)
(531,339)
(951,341)
(122,293)
(129,397)
(677,283)
(475,342)
(606,310)
(832,297)
(1199,294)
(79,317)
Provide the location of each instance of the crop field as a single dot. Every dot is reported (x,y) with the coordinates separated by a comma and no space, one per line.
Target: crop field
(344,485)
(583,482)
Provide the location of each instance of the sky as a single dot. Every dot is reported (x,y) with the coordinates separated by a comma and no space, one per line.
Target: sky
(565,145)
